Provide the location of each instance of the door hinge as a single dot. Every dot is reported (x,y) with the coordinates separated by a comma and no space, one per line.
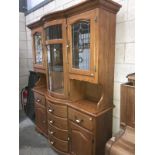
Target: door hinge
(93,141)
(95,19)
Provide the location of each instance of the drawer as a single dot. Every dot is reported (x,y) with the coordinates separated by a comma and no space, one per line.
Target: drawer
(39,98)
(57,121)
(58,133)
(59,110)
(58,144)
(80,118)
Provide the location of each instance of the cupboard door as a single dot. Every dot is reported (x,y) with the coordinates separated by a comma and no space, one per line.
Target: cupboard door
(55,68)
(38,48)
(40,118)
(82,51)
(55,41)
(81,140)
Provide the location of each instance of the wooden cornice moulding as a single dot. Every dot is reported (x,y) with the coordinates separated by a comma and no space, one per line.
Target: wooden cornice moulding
(107,5)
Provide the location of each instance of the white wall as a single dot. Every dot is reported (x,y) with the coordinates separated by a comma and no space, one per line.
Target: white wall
(25,64)
(124,52)
(125,42)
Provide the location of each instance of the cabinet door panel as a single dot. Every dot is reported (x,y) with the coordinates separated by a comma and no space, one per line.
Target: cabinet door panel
(38,49)
(81,140)
(82,51)
(56,57)
(55,68)
(40,119)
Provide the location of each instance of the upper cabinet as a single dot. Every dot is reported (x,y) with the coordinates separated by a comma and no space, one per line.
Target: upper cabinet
(77,45)
(55,43)
(81,46)
(38,50)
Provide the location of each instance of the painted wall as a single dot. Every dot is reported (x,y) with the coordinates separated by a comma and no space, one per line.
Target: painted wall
(25,61)
(125,42)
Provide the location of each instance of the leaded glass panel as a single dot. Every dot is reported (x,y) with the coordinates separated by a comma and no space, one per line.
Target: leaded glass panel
(38,48)
(54,32)
(81,45)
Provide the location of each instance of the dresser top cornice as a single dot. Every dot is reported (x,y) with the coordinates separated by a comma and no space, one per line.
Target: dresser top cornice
(107,5)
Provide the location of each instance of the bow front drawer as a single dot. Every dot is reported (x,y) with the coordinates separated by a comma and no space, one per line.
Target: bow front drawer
(57,109)
(58,133)
(39,98)
(58,144)
(57,121)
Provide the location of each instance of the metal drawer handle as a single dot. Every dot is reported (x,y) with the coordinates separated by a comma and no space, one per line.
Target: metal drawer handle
(91,74)
(50,110)
(38,100)
(52,142)
(51,122)
(51,132)
(78,121)
(90,119)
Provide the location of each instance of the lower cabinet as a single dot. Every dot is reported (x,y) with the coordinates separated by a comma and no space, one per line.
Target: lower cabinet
(81,140)
(41,119)
(71,131)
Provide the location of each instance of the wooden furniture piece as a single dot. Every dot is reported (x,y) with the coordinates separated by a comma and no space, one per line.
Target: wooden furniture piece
(76,65)
(40,114)
(123,143)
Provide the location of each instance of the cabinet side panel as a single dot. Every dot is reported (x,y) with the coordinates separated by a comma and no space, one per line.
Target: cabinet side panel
(107,25)
(127,106)
(103,132)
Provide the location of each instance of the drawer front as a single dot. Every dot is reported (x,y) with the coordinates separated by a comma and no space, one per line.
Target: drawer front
(80,118)
(58,110)
(58,144)
(39,98)
(57,121)
(58,133)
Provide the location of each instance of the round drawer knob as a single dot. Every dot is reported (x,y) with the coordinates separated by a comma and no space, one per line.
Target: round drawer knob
(51,122)
(91,74)
(78,121)
(90,119)
(50,110)
(52,142)
(38,100)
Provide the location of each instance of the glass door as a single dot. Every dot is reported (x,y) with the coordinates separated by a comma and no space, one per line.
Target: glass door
(82,52)
(38,48)
(81,45)
(55,42)
(55,68)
